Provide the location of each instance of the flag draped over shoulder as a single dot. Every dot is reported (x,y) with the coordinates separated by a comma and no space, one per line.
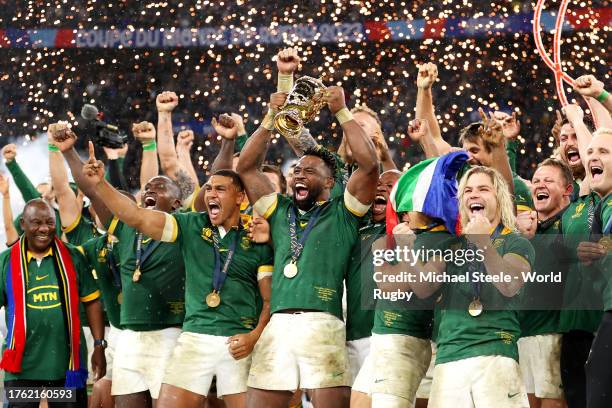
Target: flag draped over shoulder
(430,187)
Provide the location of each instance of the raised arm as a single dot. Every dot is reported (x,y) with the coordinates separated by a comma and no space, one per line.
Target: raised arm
(149,222)
(362,183)
(575,116)
(184,142)
(419,132)
(253,155)
(23,183)
(589,86)
(425,108)
(144,132)
(69,208)
(227,128)
(166,102)
(493,133)
(65,142)
(287,62)
(7,213)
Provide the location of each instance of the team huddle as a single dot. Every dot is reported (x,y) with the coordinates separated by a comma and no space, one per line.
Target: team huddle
(251,290)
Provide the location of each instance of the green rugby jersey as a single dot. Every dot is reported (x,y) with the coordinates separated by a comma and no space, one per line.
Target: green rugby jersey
(360,312)
(549,252)
(81,231)
(239,309)
(322,264)
(581,287)
(494,332)
(605,264)
(418,320)
(96,252)
(157,301)
(46,353)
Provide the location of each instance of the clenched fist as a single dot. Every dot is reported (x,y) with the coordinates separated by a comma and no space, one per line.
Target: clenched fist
(588,85)
(287,61)
(166,101)
(417,129)
(144,131)
(9,152)
(427,75)
(334,97)
(225,127)
(61,136)
(184,139)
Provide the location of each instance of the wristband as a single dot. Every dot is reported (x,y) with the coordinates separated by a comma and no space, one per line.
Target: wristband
(53,148)
(344,115)
(268,120)
(603,96)
(284,83)
(149,146)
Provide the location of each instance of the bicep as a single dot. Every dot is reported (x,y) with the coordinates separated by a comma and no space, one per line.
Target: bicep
(362,186)
(256,184)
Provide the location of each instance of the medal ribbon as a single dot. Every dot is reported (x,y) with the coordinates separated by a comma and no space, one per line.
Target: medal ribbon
(142,256)
(219,274)
(297,246)
(477,266)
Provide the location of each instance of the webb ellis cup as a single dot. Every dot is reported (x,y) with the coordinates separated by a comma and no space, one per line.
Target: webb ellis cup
(303,103)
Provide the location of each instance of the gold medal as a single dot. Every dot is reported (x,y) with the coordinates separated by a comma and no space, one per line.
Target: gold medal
(136,275)
(290,270)
(213,299)
(120,297)
(606,242)
(475,308)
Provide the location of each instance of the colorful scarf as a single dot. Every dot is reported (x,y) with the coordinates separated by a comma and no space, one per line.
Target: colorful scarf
(16,286)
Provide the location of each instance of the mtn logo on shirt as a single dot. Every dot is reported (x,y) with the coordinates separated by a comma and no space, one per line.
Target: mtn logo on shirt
(43,297)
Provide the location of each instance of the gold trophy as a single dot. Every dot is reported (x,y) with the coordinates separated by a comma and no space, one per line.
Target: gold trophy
(303,103)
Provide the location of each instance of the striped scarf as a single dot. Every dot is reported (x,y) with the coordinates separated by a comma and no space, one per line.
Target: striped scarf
(16,286)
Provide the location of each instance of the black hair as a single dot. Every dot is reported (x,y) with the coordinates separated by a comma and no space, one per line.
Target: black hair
(322,153)
(236,181)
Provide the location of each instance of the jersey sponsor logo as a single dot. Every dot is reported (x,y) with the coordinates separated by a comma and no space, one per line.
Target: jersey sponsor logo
(41,277)
(513,394)
(144,241)
(303,224)
(43,297)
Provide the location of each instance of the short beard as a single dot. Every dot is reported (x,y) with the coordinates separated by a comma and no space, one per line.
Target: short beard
(307,204)
(578,172)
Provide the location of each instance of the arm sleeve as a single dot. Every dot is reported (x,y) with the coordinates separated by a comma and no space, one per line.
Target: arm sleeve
(240,142)
(266,266)
(23,183)
(522,248)
(115,174)
(88,290)
(511,150)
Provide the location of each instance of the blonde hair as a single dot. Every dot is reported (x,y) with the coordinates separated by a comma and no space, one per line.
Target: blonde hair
(505,203)
(603,131)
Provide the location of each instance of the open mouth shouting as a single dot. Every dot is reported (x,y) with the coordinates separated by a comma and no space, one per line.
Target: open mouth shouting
(149,200)
(214,209)
(573,156)
(476,208)
(380,204)
(597,172)
(301,191)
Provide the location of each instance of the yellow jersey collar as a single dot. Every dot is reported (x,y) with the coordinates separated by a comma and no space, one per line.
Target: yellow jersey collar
(30,255)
